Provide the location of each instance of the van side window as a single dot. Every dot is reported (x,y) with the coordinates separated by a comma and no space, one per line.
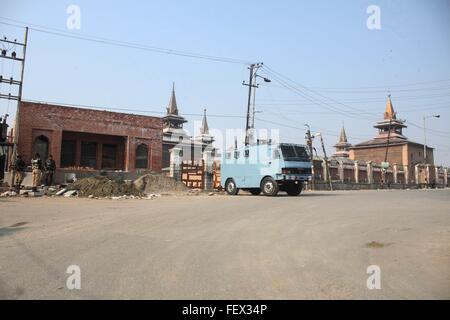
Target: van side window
(236,154)
(247,153)
(276,154)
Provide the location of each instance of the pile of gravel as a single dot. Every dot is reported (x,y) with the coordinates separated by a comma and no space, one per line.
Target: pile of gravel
(156,183)
(104,187)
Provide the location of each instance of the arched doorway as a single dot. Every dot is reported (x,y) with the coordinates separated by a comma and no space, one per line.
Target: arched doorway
(141,157)
(41,146)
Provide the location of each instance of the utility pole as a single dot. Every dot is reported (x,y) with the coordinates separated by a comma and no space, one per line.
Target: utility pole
(326,162)
(387,142)
(385,165)
(250,124)
(19,83)
(309,143)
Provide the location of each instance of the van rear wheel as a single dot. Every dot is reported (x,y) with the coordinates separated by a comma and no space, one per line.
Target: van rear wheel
(230,187)
(269,187)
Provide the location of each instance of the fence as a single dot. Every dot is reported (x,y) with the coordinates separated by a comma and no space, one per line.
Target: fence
(193,174)
(369,174)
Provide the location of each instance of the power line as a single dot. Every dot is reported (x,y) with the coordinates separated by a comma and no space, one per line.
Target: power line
(83,106)
(274,74)
(377,91)
(120,43)
(325,131)
(415,109)
(382,87)
(436,132)
(340,102)
(280,79)
(357,91)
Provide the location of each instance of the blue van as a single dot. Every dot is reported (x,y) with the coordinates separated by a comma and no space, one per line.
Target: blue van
(266,168)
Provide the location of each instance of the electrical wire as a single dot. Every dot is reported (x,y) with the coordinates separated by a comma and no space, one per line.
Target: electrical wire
(120,43)
(319,102)
(129,110)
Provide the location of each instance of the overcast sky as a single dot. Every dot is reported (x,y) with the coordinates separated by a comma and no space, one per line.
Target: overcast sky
(342,70)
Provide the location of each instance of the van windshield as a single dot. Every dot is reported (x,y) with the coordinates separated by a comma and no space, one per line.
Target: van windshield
(294,153)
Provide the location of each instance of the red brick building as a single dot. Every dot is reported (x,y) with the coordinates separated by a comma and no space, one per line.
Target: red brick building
(100,140)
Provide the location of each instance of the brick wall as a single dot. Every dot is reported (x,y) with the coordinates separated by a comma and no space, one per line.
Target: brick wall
(51,120)
(377,154)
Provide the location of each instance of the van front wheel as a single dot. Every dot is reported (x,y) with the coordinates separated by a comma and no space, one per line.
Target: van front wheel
(230,187)
(269,187)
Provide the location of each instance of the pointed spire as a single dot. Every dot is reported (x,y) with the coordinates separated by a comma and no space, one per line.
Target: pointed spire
(389,114)
(343,136)
(204,129)
(172,108)
(342,147)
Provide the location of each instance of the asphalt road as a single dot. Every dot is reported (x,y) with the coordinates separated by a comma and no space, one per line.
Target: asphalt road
(316,246)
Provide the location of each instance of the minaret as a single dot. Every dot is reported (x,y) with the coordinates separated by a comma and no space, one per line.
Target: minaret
(173,120)
(172,108)
(204,136)
(342,146)
(204,130)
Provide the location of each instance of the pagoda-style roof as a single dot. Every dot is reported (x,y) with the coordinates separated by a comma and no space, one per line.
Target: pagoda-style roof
(390,125)
(390,117)
(388,128)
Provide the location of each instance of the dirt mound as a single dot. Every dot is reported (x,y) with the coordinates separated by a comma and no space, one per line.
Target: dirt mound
(154,183)
(104,187)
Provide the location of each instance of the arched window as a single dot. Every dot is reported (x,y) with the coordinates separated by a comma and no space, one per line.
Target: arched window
(142,157)
(41,146)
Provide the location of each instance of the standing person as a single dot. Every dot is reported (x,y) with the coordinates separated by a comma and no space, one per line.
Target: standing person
(19,167)
(36,165)
(50,167)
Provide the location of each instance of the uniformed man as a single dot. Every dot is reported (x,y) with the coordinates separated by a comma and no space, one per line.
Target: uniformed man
(36,166)
(19,167)
(50,167)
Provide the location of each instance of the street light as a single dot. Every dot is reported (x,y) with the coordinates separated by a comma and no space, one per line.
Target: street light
(425,135)
(265,79)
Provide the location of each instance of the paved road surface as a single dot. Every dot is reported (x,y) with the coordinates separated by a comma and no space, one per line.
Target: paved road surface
(315,246)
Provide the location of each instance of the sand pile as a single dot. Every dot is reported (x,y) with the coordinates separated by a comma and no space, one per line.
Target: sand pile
(154,183)
(104,187)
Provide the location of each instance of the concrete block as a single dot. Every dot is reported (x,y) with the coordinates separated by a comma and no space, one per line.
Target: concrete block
(36,194)
(61,192)
(70,193)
